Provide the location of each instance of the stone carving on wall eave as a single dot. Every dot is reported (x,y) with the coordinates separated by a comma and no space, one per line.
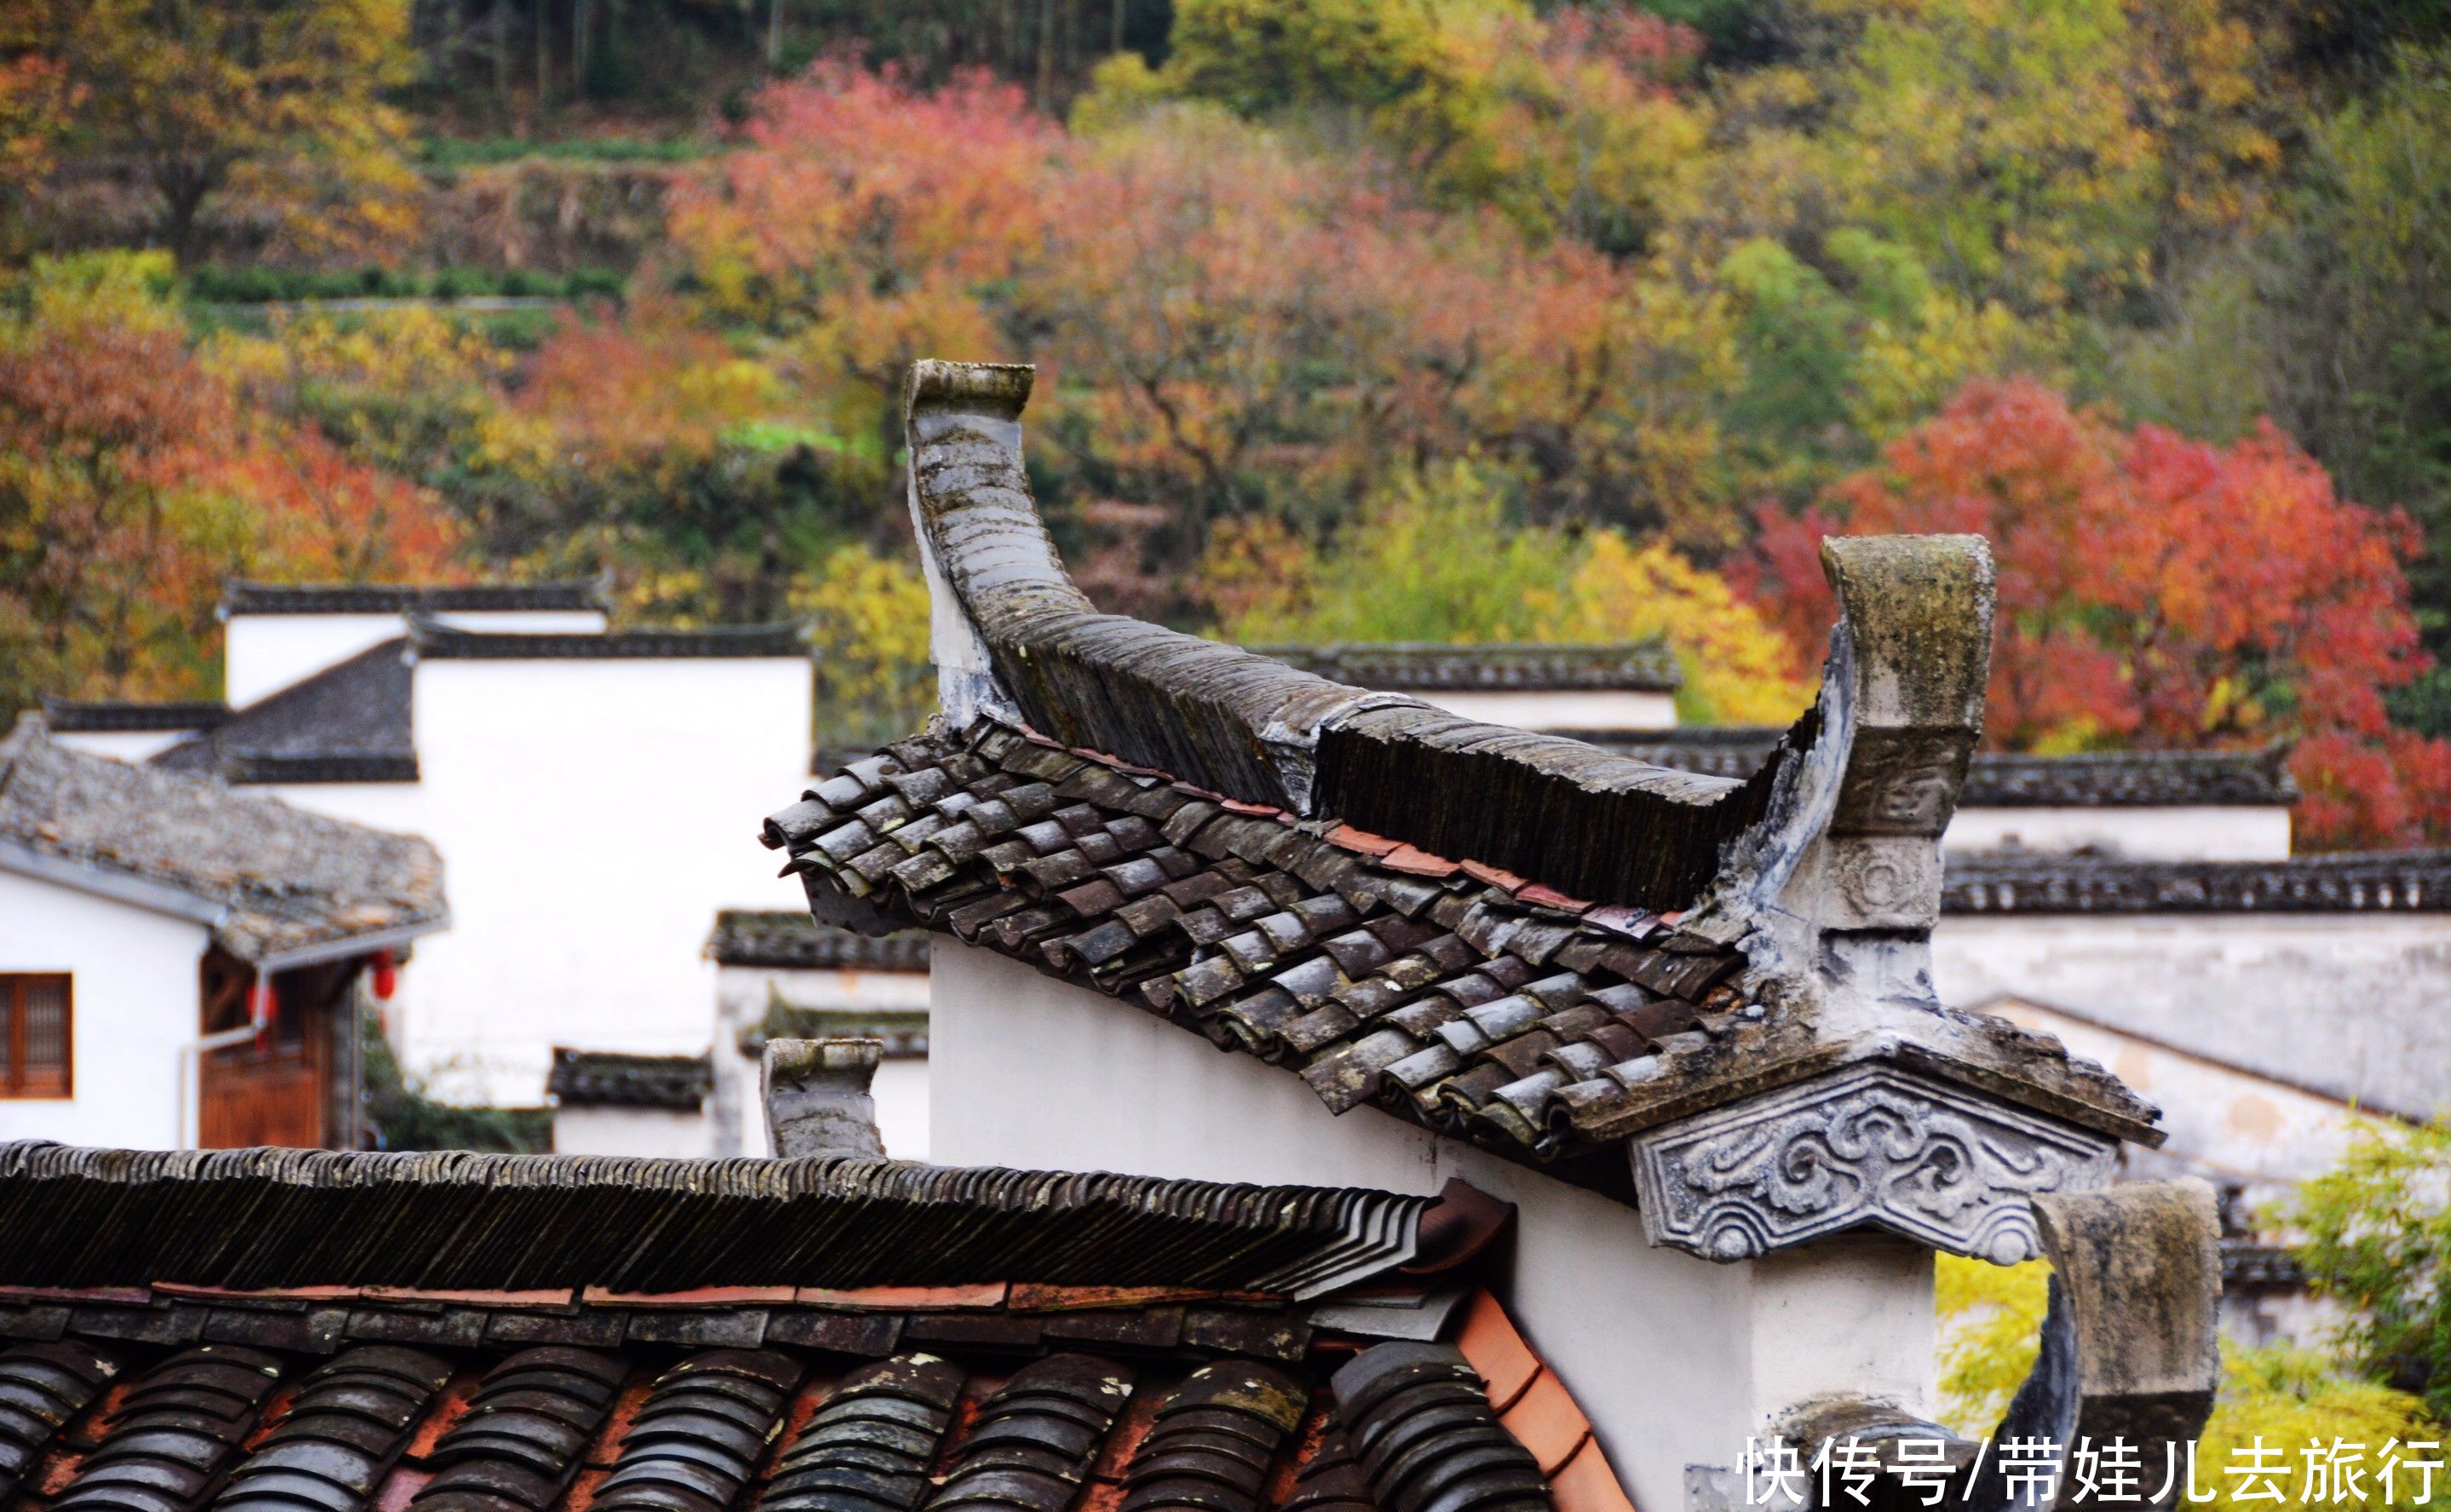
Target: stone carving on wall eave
(1868,1146)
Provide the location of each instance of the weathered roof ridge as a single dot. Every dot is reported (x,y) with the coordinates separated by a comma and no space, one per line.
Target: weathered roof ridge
(277,885)
(1014,638)
(245,598)
(456,1218)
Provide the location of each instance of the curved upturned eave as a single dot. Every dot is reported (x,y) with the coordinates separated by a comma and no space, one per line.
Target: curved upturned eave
(1561,813)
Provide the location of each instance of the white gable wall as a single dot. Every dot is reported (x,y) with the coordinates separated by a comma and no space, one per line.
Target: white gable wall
(2349,1004)
(593,814)
(1675,1359)
(264,653)
(2225,1124)
(120,745)
(133,1003)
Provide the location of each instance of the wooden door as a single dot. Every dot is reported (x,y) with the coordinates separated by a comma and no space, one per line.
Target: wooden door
(272,1091)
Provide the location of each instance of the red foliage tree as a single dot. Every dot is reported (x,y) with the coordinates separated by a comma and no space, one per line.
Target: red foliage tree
(133,486)
(2157,592)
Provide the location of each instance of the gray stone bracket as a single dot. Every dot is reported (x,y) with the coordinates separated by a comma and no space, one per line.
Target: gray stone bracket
(1870,1144)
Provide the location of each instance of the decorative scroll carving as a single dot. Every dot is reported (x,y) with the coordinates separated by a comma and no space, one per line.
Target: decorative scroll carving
(1871,1145)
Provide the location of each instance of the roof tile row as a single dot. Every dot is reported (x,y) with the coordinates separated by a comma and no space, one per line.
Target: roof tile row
(1467,999)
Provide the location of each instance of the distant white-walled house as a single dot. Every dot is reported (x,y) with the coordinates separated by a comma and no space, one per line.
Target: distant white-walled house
(1625,685)
(585,787)
(2133,805)
(181,962)
(779,973)
(605,1102)
(278,635)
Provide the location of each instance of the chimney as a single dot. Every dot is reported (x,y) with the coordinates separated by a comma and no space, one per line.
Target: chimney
(816,1096)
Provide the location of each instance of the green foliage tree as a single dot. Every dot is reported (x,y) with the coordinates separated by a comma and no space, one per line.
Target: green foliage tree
(2377,1237)
(2286,1397)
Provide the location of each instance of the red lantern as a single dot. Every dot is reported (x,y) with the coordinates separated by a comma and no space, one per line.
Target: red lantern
(386,976)
(262,1009)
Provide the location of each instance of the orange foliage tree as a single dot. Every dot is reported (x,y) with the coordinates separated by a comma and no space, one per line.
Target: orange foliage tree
(132,485)
(2159,592)
(862,216)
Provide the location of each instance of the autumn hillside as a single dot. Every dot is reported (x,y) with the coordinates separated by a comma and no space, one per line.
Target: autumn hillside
(1356,319)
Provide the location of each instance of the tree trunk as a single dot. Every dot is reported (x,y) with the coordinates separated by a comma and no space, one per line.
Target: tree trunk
(582,15)
(774,35)
(502,54)
(543,55)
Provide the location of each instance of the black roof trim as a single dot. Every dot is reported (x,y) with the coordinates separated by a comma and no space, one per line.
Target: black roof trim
(792,940)
(594,1078)
(2371,882)
(445,644)
(108,715)
(375,598)
(379,766)
(457,1219)
(1413,666)
(2006,780)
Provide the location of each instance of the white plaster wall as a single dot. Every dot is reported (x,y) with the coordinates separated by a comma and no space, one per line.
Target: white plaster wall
(2225,1124)
(1599,710)
(2202,831)
(1675,1359)
(120,745)
(742,996)
(264,653)
(593,815)
(651,1131)
(2351,1005)
(134,1002)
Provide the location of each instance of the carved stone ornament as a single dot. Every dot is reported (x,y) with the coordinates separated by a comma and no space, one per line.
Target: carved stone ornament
(1870,1144)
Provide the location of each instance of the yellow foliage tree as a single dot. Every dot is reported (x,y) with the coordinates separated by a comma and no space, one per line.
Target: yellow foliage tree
(2288,1398)
(868,626)
(277,98)
(1737,664)
(1435,558)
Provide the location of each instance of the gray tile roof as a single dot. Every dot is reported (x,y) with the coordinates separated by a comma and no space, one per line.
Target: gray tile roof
(2396,881)
(1466,999)
(455,1219)
(273,881)
(769,938)
(595,1078)
(1408,666)
(350,722)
